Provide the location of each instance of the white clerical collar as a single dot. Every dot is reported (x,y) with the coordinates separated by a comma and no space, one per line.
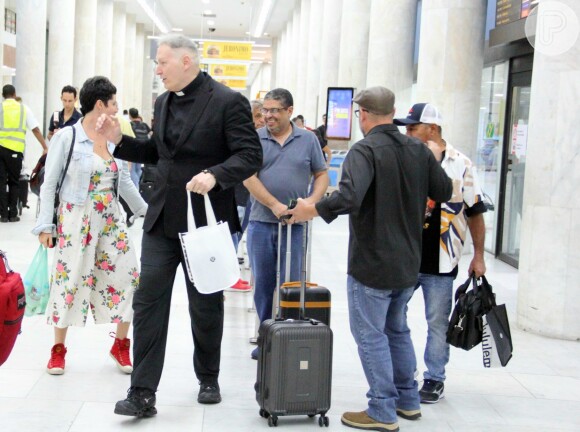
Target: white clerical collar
(179,93)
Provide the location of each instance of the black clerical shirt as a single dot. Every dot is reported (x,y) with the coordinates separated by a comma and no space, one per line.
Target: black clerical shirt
(179,106)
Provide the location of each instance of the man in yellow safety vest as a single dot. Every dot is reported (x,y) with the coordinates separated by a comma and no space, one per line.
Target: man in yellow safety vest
(15,119)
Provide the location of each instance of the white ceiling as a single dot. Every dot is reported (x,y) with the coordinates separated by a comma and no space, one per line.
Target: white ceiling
(233,20)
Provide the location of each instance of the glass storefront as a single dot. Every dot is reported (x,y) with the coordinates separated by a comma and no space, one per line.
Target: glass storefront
(490,144)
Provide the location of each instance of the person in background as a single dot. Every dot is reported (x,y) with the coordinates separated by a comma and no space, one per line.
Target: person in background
(386,179)
(243,200)
(205,153)
(16,118)
(299,121)
(68,116)
(444,232)
(95,266)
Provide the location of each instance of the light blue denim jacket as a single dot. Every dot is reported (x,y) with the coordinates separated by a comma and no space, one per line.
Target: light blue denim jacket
(75,187)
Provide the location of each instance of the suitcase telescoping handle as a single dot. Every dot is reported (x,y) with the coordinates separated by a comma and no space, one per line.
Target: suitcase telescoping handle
(302,310)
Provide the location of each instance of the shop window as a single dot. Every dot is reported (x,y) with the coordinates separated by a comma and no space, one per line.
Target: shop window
(490,143)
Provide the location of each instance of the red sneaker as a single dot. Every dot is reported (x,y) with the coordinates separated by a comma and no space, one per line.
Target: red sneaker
(120,352)
(241,285)
(56,363)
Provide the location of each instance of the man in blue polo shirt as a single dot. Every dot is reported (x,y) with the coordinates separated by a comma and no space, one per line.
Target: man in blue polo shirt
(291,157)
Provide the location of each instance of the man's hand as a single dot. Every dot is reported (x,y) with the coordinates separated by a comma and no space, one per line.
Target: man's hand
(45,239)
(303,211)
(201,183)
(477,265)
(109,127)
(279,210)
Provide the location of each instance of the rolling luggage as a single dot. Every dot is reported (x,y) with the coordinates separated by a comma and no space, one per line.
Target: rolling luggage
(294,361)
(12,304)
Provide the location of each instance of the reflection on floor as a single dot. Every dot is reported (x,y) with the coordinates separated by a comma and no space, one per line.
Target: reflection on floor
(537,391)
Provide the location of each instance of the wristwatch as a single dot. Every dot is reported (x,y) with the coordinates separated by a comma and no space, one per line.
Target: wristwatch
(208,171)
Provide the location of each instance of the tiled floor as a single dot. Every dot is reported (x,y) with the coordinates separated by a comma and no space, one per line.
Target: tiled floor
(539,390)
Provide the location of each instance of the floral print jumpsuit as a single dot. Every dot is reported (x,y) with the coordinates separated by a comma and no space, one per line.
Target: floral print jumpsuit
(96,265)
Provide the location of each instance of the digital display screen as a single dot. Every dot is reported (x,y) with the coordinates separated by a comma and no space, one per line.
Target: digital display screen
(339,113)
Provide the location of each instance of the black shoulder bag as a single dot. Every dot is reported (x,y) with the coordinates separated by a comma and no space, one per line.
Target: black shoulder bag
(465,325)
(59,186)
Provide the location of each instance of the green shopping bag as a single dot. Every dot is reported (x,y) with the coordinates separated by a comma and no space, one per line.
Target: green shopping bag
(36,284)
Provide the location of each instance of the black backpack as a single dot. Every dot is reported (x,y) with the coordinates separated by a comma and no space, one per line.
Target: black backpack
(140,129)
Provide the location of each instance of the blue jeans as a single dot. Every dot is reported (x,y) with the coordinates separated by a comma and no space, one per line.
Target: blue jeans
(263,251)
(378,322)
(135,173)
(438,294)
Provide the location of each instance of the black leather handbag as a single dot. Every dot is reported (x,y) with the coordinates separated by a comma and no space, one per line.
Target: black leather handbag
(465,325)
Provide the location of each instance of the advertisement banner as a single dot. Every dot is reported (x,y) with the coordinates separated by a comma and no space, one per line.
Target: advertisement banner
(228,70)
(339,113)
(227,50)
(234,84)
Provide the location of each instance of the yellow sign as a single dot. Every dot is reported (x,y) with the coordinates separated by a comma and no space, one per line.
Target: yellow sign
(229,70)
(227,50)
(237,84)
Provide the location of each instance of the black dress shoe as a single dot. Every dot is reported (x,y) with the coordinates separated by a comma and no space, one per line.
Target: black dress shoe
(4,220)
(140,402)
(15,219)
(209,394)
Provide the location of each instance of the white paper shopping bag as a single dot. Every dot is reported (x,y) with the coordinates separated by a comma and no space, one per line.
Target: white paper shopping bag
(210,255)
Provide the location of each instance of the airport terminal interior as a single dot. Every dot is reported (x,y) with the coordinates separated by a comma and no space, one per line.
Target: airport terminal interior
(480,61)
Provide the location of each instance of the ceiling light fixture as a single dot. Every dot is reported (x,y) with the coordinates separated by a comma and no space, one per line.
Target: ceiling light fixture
(263,16)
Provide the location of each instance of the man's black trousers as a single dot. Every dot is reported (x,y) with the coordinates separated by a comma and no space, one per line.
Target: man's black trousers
(160,258)
(10,167)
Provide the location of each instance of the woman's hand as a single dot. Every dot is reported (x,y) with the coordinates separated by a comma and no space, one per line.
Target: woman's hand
(45,240)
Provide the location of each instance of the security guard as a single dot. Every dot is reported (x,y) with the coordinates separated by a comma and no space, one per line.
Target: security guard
(15,119)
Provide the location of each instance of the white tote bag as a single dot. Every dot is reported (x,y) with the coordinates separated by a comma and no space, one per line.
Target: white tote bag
(210,255)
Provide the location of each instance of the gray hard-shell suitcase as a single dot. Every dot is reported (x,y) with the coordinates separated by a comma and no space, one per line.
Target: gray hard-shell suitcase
(294,362)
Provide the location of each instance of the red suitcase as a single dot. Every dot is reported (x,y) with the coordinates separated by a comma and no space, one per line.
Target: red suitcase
(12,304)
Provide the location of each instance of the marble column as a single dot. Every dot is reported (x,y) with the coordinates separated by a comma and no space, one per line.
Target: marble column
(3,79)
(117,70)
(30,68)
(128,99)
(139,62)
(450,64)
(302,48)
(274,59)
(61,36)
(330,48)
(147,88)
(293,50)
(284,56)
(313,108)
(103,54)
(354,46)
(385,46)
(549,265)
(85,41)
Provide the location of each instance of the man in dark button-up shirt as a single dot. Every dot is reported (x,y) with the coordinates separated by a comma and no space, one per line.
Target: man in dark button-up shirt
(203,139)
(69,115)
(385,183)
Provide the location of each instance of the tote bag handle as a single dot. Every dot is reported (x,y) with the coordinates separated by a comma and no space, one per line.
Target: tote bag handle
(209,213)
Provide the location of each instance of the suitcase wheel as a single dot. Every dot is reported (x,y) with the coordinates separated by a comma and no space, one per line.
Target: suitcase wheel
(323,420)
(273,421)
(263,413)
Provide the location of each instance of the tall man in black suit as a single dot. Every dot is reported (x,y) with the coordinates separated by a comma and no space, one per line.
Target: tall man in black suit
(203,141)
